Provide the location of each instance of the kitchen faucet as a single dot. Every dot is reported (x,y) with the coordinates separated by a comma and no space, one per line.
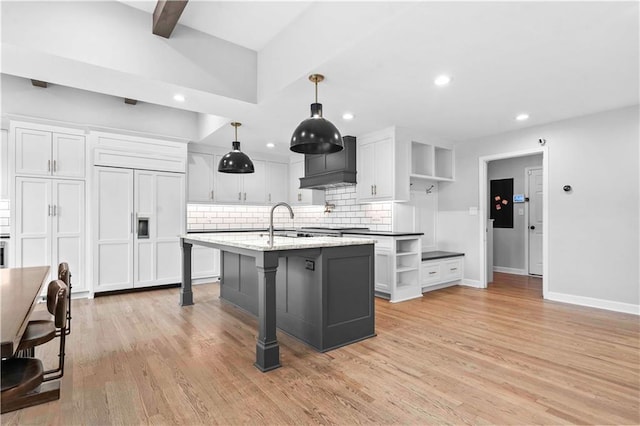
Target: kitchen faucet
(271,220)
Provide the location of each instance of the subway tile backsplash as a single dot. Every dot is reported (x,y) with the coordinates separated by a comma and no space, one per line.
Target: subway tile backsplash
(347,213)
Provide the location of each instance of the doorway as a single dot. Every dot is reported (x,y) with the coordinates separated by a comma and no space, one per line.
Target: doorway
(483,216)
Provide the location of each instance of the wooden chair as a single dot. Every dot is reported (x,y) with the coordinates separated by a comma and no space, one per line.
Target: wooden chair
(40,332)
(64,274)
(19,377)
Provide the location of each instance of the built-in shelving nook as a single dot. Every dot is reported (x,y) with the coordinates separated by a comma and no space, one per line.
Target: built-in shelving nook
(430,162)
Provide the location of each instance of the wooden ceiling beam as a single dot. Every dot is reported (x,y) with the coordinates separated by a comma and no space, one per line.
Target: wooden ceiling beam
(166,16)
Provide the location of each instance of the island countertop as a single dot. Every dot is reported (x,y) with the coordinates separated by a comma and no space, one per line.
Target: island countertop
(259,241)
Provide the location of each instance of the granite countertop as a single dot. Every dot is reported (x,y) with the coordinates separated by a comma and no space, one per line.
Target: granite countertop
(438,254)
(385,233)
(259,241)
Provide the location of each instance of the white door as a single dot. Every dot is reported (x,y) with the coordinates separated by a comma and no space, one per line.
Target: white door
(254,185)
(68,157)
(33,222)
(366,171)
(113,254)
(535,221)
(200,171)
(144,206)
(68,237)
(278,182)
(33,152)
(383,169)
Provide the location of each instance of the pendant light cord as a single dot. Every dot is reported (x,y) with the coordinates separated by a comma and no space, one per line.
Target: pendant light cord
(316,82)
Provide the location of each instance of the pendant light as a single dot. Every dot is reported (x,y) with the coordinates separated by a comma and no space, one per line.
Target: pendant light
(236,161)
(316,135)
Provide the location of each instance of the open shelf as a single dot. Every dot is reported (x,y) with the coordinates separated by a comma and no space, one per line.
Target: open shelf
(431,162)
(406,269)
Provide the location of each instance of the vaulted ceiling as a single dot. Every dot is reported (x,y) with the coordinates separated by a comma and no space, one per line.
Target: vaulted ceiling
(249,61)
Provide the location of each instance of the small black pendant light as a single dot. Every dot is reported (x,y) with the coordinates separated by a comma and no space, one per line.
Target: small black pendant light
(316,135)
(236,161)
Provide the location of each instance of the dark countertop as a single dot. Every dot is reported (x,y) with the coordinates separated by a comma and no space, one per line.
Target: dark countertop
(385,233)
(438,254)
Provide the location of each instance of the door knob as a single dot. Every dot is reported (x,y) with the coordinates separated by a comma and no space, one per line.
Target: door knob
(532,227)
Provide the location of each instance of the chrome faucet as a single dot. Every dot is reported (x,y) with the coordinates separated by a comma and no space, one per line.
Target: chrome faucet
(271,220)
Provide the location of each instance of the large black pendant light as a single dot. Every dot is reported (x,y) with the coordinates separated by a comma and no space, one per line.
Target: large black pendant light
(236,161)
(316,135)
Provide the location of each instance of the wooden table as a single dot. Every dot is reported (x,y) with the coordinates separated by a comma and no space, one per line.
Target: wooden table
(20,288)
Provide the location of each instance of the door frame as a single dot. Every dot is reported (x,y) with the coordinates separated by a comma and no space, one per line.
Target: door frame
(483,183)
(526,216)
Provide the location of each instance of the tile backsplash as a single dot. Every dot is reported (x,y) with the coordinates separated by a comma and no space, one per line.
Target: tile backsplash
(5,214)
(347,213)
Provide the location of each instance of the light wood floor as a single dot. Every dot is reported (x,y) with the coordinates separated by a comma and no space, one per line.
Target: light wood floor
(458,355)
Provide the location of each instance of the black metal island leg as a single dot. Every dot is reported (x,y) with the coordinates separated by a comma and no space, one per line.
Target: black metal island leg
(267,347)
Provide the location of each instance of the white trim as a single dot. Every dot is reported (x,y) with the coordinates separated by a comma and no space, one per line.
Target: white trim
(483,216)
(473,283)
(510,270)
(609,305)
(205,280)
(428,288)
(527,171)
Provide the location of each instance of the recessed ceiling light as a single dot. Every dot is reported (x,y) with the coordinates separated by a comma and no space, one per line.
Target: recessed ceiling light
(348,116)
(271,145)
(178,97)
(442,80)
(522,117)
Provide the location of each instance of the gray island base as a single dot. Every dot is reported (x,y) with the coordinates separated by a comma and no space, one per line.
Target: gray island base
(319,290)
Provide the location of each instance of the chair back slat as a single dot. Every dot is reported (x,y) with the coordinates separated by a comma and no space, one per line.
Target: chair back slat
(57,302)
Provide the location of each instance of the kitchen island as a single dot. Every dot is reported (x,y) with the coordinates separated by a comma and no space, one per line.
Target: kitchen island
(317,289)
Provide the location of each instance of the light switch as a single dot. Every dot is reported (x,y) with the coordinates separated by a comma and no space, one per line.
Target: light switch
(520,212)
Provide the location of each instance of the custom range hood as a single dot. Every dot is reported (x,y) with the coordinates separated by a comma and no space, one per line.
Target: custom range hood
(323,171)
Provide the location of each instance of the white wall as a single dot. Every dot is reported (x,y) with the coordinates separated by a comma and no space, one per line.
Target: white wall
(509,243)
(593,231)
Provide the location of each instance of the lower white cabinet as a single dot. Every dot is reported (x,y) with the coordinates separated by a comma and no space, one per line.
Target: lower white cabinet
(139,217)
(50,226)
(437,272)
(205,262)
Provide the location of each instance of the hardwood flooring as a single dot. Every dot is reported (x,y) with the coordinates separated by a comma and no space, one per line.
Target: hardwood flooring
(458,355)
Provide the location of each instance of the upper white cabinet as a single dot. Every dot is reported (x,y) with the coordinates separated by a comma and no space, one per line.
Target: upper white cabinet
(4,165)
(277,182)
(240,188)
(50,225)
(383,159)
(431,162)
(200,171)
(299,196)
(46,153)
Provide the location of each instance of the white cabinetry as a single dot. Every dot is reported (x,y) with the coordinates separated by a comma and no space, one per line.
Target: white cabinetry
(440,273)
(200,176)
(383,161)
(432,162)
(140,215)
(50,225)
(46,153)
(397,266)
(299,196)
(4,165)
(205,262)
(240,187)
(277,182)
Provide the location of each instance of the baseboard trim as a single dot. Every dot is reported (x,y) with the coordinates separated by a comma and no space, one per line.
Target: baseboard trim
(591,302)
(471,283)
(206,280)
(505,270)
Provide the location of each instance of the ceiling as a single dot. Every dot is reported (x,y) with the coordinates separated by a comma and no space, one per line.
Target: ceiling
(552,60)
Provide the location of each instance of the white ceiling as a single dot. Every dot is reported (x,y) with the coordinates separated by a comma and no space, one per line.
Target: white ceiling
(553,60)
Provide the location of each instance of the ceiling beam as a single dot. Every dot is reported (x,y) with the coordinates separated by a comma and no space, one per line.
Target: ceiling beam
(166,16)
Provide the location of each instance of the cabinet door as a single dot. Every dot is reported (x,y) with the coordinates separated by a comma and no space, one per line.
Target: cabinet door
(384,270)
(68,156)
(383,168)
(68,230)
(144,248)
(200,175)
(33,152)
(113,232)
(228,186)
(366,171)
(296,171)
(205,262)
(4,165)
(33,222)
(278,182)
(169,224)
(254,184)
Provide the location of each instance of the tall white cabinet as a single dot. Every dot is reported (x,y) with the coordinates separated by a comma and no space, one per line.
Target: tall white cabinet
(46,174)
(50,225)
(140,215)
